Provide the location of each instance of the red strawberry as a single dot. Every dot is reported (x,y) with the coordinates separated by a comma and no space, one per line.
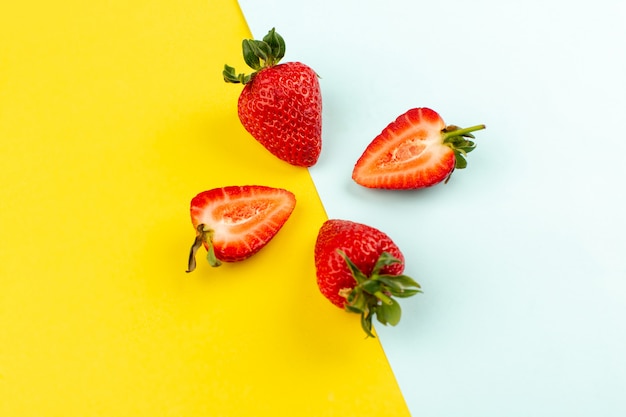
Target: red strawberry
(280,105)
(417,150)
(233,223)
(359,268)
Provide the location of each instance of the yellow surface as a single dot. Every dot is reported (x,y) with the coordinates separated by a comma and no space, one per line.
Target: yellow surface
(113,115)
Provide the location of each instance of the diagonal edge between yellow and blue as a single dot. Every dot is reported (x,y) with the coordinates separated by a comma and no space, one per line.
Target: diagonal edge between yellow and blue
(112,118)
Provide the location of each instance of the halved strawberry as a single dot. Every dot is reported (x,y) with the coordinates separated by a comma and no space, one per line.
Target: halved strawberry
(235,222)
(417,150)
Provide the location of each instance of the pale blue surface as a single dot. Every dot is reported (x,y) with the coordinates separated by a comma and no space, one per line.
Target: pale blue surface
(521,256)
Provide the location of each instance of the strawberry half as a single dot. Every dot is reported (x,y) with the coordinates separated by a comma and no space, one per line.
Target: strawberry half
(280,105)
(359,268)
(417,150)
(233,223)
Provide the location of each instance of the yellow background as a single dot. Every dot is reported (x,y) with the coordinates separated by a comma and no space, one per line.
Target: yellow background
(113,115)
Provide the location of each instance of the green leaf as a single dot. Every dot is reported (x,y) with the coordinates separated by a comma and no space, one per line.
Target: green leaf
(461,162)
(264,51)
(398,282)
(366,323)
(356,272)
(197,244)
(467,148)
(385,259)
(276,44)
(211,258)
(371,286)
(231,77)
(400,285)
(381,315)
(389,283)
(250,55)
(406,281)
(390,313)
(353,309)
(405,293)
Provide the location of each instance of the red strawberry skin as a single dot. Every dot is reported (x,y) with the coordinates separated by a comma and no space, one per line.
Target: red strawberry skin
(408,153)
(281,107)
(242,219)
(362,244)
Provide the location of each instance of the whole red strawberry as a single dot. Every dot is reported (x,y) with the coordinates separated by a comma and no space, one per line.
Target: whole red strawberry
(359,268)
(417,150)
(280,104)
(235,222)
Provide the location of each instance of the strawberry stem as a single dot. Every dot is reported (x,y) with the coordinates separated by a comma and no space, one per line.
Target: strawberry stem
(382,297)
(452,131)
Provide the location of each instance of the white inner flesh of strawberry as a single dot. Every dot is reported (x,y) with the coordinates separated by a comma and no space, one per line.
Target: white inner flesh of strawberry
(238,215)
(407,151)
(413,151)
(232,220)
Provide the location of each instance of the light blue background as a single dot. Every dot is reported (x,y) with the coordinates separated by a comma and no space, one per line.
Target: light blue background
(521,255)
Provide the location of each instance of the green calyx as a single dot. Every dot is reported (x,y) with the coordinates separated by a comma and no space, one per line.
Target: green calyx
(257,55)
(460,141)
(203,234)
(373,295)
